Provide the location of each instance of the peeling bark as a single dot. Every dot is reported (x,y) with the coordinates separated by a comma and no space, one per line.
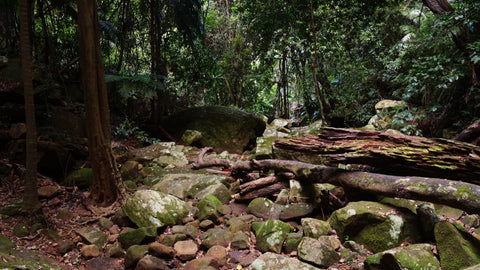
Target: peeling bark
(392,154)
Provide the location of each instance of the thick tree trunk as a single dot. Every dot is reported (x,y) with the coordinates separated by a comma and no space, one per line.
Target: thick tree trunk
(453,193)
(471,134)
(30,195)
(107,186)
(392,154)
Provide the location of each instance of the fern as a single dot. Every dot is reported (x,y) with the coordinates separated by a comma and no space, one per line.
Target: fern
(137,84)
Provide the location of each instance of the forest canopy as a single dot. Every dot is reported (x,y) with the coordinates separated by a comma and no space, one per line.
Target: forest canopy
(307,60)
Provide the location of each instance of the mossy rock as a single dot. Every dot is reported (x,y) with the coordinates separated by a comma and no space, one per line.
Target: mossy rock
(271,235)
(222,128)
(82,178)
(209,208)
(416,256)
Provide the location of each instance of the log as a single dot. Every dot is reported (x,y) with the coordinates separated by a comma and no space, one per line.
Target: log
(471,134)
(390,153)
(456,194)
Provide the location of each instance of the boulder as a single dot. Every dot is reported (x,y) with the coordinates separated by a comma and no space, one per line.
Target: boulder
(317,253)
(150,208)
(209,208)
(457,248)
(216,236)
(264,208)
(137,236)
(275,261)
(134,254)
(315,228)
(240,241)
(222,128)
(150,262)
(271,234)
(295,210)
(416,256)
(377,226)
(186,250)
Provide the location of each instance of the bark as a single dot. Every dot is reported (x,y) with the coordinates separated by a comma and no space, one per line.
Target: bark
(438,6)
(30,195)
(107,186)
(453,193)
(392,154)
(471,134)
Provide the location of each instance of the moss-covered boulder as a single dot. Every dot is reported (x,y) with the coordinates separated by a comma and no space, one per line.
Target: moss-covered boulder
(187,185)
(81,178)
(295,210)
(209,208)
(416,256)
(216,236)
(457,248)
(150,208)
(134,254)
(6,245)
(271,234)
(315,228)
(264,208)
(218,190)
(377,226)
(275,261)
(222,128)
(137,236)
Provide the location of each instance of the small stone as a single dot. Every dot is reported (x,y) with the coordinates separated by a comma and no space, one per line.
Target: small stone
(314,227)
(216,236)
(240,241)
(115,250)
(186,250)
(47,191)
(20,230)
(471,220)
(105,223)
(236,224)
(150,262)
(65,246)
(219,254)
(317,253)
(64,214)
(206,224)
(134,254)
(89,251)
(160,250)
(103,263)
(205,263)
(93,235)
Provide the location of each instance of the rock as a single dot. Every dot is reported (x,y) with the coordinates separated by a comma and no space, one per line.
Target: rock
(89,251)
(183,185)
(6,245)
(472,221)
(352,245)
(65,214)
(428,218)
(457,248)
(313,129)
(271,234)
(150,208)
(216,236)
(377,226)
(188,230)
(209,208)
(65,246)
(11,209)
(47,191)
(275,261)
(416,256)
(20,230)
(137,236)
(317,253)
(105,223)
(92,235)
(223,128)
(150,262)
(475,267)
(171,239)
(164,154)
(103,263)
(314,228)
(185,250)
(218,190)
(191,137)
(134,254)
(130,170)
(237,224)
(115,250)
(82,178)
(160,250)
(219,254)
(330,241)
(264,148)
(264,208)
(292,241)
(205,263)
(240,241)
(282,197)
(206,224)
(295,210)
(388,105)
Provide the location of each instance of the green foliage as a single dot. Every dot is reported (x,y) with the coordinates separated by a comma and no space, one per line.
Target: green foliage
(128,129)
(135,85)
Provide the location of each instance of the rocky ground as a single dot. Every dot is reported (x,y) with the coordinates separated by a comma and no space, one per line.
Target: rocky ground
(179,218)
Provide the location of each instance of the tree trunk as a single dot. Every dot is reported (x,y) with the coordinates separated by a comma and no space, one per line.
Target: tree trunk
(453,193)
(392,154)
(471,134)
(107,186)
(30,195)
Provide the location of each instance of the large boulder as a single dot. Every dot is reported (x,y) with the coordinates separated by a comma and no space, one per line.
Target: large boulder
(377,226)
(416,256)
(150,208)
(222,128)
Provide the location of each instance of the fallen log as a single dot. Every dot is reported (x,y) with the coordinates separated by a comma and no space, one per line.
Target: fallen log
(391,153)
(456,194)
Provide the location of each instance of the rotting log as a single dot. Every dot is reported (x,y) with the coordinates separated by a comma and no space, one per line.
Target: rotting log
(457,194)
(391,153)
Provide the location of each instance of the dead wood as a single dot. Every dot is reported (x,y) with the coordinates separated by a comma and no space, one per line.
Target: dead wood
(471,134)
(392,154)
(453,193)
